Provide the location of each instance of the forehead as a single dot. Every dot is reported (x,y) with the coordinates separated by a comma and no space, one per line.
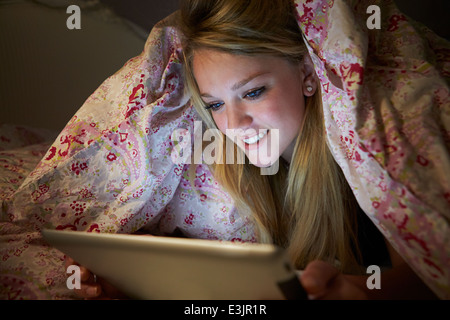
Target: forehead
(211,67)
(212,60)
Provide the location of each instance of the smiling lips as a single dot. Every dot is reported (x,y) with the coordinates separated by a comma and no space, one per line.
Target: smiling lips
(256,138)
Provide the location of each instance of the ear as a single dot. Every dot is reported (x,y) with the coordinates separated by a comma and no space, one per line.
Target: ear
(310,81)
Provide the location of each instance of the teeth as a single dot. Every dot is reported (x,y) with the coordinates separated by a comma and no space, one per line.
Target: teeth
(256,138)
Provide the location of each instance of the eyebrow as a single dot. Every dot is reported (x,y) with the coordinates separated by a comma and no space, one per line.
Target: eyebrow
(239,84)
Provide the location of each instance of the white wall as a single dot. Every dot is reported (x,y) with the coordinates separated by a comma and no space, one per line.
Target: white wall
(48,71)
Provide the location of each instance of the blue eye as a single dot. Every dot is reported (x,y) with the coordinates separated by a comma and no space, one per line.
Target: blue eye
(214,106)
(255,93)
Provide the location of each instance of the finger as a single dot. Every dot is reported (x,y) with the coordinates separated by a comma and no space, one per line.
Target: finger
(111,291)
(89,290)
(69,261)
(342,289)
(86,275)
(316,277)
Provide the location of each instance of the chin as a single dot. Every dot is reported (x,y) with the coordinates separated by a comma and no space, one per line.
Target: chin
(260,165)
(267,163)
(267,169)
(262,159)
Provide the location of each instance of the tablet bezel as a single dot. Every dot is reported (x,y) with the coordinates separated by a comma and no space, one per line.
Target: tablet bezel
(182,268)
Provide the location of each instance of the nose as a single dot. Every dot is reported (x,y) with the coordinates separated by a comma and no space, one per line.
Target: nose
(238,117)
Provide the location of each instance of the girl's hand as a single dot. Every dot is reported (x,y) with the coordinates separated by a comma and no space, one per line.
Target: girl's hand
(93,287)
(321,280)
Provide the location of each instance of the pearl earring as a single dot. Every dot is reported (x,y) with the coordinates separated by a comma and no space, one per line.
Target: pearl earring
(309,88)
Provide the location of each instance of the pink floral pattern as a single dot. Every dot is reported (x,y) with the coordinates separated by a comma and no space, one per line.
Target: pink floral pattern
(386,105)
(388,124)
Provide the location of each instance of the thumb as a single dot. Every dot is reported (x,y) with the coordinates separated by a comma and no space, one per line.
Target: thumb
(316,278)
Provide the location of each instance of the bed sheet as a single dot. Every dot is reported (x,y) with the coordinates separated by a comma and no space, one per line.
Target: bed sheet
(29,268)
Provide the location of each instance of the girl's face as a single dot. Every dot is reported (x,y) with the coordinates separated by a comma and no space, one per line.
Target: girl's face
(252,99)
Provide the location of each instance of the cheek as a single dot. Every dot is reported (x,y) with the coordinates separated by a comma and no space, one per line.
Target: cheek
(220,120)
(293,108)
(286,115)
(276,114)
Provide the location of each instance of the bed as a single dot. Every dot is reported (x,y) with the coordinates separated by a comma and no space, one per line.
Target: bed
(109,168)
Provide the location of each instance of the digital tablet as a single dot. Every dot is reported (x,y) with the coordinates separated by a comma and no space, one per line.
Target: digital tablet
(153,267)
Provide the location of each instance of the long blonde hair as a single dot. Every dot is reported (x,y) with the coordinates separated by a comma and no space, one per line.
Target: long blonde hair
(308,208)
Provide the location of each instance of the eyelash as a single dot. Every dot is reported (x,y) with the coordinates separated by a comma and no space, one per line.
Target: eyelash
(212,106)
(252,95)
(257,93)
